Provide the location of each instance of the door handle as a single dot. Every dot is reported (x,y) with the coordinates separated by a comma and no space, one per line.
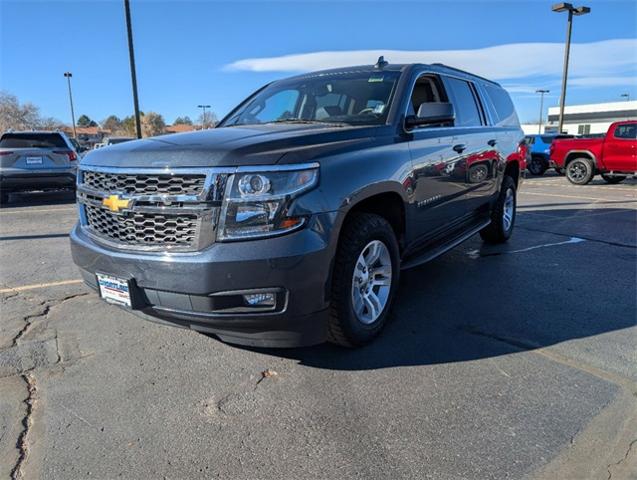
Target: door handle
(461,147)
(492,142)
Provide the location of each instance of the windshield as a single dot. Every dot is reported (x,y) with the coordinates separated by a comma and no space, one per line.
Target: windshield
(356,98)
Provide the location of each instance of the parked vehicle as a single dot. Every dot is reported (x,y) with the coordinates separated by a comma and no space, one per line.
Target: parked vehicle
(614,156)
(540,151)
(38,160)
(288,223)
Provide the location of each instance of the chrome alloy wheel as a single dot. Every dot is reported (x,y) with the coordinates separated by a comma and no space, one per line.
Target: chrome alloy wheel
(371,282)
(577,171)
(508,211)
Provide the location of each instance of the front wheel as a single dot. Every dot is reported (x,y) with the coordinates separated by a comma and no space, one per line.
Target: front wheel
(366,272)
(613,179)
(502,214)
(580,171)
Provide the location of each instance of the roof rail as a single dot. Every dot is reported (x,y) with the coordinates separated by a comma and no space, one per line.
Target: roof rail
(465,72)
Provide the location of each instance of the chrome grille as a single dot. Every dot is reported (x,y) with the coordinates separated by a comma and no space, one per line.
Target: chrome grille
(148,184)
(143,229)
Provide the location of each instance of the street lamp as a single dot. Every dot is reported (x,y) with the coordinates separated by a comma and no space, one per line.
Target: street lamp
(567,7)
(541,92)
(131,56)
(203,117)
(626,95)
(68,76)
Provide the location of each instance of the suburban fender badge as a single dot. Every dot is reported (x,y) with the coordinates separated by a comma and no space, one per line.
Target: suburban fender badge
(114,203)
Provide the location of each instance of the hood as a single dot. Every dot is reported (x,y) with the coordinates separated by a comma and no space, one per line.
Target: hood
(234,146)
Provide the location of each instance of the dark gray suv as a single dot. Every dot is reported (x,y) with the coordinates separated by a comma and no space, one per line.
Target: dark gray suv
(289,223)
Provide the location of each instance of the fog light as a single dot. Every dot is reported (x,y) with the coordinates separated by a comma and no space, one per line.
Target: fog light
(260,299)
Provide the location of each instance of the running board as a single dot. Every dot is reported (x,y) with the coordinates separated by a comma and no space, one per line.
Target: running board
(429,255)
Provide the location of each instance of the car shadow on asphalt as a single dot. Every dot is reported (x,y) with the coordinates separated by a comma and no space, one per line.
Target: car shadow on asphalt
(536,291)
(35,199)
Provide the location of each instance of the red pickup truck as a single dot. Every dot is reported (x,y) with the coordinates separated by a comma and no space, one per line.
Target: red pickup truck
(614,156)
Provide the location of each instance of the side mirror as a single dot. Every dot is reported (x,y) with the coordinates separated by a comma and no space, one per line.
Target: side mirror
(431,113)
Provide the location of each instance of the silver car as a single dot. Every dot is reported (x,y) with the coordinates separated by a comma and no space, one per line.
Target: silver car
(38,160)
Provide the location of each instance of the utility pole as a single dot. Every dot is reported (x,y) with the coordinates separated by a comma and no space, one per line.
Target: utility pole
(131,54)
(203,117)
(541,92)
(68,76)
(567,7)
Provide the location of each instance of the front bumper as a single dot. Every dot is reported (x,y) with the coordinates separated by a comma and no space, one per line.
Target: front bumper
(194,290)
(25,180)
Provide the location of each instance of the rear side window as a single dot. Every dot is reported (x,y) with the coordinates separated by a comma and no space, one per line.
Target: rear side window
(626,132)
(464,103)
(530,140)
(547,139)
(32,140)
(504,110)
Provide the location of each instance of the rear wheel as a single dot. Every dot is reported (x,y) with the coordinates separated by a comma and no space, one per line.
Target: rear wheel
(580,171)
(559,171)
(4,198)
(366,272)
(537,166)
(502,214)
(613,179)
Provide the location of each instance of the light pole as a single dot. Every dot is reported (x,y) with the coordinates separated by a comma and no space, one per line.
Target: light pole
(68,76)
(567,7)
(626,95)
(131,55)
(541,92)
(203,117)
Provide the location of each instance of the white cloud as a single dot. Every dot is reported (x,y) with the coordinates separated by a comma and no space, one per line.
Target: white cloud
(604,59)
(603,81)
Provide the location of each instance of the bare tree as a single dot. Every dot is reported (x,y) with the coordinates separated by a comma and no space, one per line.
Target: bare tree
(15,116)
(208,121)
(153,124)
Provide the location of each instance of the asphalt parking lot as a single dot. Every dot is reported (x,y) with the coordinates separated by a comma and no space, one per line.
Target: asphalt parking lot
(514,361)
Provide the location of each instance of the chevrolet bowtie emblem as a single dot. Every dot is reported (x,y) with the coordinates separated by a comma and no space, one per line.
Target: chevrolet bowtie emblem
(114,203)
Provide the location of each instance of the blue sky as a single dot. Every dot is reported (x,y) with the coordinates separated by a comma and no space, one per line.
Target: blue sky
(217,52)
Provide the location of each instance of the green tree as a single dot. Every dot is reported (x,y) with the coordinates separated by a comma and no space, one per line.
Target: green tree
(85,121)
(183,121)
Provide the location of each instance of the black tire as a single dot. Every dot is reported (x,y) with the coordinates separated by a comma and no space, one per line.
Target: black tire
(580,171)
(344,327)
(613,179)
(559,171)
(4,198)
(537,166)
(499,231)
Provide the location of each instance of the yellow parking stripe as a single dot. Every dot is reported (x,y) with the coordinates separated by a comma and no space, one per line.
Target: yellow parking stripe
(39,210)
(39,285)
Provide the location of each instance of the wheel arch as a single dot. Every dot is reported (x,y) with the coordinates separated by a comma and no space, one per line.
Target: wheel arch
(573,154)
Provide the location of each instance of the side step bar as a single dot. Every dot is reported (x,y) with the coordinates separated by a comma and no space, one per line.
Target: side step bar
(444,247)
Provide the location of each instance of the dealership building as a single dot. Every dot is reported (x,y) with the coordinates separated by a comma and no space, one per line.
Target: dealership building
(594,118)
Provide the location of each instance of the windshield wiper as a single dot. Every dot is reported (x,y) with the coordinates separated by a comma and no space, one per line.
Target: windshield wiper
(305,121)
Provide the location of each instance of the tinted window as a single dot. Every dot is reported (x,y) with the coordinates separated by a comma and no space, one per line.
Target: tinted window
(504,110)
(464,103)
(628,132)
(32,140)
(530,140)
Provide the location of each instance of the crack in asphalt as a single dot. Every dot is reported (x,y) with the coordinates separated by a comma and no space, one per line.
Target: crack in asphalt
(611,465)
(47,306)
(27,423)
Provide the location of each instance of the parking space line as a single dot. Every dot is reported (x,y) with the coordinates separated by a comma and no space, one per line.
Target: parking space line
(39,210)
(39,285)
(560,195)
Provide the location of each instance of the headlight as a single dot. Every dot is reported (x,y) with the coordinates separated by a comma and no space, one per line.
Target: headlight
(256,203)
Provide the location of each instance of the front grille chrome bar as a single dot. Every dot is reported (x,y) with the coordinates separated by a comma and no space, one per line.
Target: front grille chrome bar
(146,222)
